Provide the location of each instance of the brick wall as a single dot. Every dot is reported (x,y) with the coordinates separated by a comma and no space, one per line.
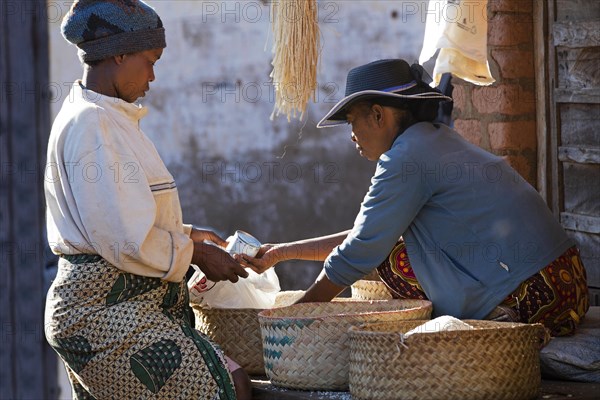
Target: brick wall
(501,118)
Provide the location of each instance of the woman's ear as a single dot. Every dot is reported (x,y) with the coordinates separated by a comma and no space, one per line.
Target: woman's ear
(119,59)
(377,113)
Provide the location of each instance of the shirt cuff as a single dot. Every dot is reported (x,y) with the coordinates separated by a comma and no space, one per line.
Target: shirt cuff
(333,265)
(183,250)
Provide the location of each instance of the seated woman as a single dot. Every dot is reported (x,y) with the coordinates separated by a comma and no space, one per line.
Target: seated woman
(117,313)
(464,229)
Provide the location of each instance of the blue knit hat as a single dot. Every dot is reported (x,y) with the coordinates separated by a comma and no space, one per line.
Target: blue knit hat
(106,28)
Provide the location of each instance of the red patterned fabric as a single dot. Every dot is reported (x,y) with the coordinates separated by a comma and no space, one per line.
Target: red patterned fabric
(556,297)
(399,276)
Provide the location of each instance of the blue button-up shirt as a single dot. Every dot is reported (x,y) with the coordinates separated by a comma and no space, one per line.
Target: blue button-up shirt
(474,228)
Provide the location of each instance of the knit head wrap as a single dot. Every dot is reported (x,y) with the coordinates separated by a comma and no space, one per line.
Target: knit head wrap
(106,28)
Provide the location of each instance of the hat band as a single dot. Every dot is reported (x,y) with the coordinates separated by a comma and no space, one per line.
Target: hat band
(122,43)
(401,88)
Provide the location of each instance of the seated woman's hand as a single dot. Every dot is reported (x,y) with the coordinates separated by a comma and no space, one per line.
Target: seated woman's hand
(216,263)
(267,257)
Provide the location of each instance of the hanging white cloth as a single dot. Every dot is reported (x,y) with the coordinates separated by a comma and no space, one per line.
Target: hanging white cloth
(459,29)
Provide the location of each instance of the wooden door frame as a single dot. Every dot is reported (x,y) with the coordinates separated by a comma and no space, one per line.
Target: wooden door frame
(28,365)
(548,173)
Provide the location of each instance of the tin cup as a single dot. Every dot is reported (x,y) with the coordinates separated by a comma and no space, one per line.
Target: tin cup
(243,243)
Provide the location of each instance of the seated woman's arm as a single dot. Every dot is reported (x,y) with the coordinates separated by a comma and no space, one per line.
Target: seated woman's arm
(313,249)
(322,290)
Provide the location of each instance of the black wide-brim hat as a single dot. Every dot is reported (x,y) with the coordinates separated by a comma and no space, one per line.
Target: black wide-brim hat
(390,81)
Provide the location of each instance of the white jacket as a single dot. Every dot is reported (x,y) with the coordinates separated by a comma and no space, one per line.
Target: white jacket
(109,193)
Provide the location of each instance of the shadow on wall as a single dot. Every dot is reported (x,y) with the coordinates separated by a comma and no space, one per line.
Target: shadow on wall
(288,196)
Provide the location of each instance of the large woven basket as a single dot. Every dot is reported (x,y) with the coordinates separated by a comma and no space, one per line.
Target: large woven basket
(306,345)
(495,360)
(237,331)
(370,290)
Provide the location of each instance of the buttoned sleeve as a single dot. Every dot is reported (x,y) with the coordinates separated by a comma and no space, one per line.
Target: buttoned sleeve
(397,193)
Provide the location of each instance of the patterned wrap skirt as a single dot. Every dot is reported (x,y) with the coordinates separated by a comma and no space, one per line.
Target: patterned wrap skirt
(556,297)
(124,336)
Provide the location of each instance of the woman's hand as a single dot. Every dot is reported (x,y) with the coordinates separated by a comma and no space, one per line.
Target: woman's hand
(201,235)
(267,257)
(321,291)
(216,263)
(315,249)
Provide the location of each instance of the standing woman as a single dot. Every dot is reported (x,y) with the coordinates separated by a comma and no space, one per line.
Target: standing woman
(117,312)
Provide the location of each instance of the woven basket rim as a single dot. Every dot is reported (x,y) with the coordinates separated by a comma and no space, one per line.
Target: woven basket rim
(369,282)
(479,326)
(283,293)
(255,310)
(415,304)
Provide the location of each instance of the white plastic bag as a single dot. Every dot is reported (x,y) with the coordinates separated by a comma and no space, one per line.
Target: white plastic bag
(255,291)
(459,29)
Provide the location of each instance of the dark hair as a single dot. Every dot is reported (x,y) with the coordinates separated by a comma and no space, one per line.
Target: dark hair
(422,110)
(425,110)
(407,112)
(93,64)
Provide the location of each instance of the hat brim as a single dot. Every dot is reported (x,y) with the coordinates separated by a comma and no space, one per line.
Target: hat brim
(337,115)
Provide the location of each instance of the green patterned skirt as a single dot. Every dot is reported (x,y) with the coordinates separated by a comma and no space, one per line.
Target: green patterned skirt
(124,336)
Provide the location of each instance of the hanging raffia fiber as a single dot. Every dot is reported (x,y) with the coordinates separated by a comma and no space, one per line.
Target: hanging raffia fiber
(296,53)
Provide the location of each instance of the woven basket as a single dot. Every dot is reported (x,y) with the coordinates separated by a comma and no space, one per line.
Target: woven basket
(305,345)
(288,297)
(372,276)
(237,331)
(496,360)
(370,290)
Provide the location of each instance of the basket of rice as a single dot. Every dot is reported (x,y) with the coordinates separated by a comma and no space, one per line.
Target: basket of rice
(487,360)
(306,345)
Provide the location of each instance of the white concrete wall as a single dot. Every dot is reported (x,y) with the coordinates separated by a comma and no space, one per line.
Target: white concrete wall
(210,108)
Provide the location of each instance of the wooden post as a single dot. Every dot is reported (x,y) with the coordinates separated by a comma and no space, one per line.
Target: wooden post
(540,30)
(28,364)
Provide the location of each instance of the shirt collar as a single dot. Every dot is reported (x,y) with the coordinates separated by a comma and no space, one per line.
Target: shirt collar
(133,111)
